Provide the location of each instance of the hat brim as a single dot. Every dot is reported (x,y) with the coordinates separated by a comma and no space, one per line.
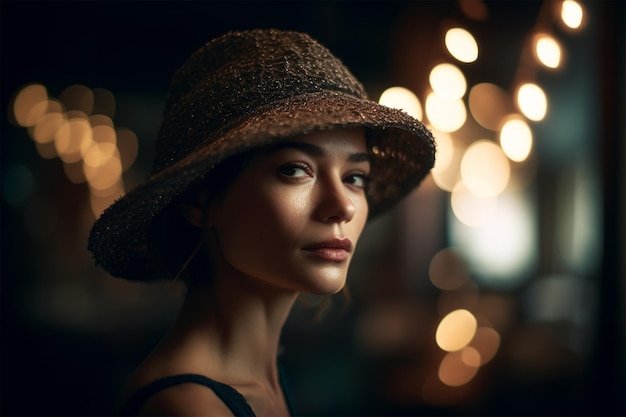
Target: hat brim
(401,151)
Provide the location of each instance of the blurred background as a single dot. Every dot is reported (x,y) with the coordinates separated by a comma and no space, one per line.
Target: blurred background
(497,288)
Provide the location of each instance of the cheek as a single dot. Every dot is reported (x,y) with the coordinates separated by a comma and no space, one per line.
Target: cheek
(360,218)
(261,217)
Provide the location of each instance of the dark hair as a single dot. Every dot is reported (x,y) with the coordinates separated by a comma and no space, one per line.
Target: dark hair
(178,245)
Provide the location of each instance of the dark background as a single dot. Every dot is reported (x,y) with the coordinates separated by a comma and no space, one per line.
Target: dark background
(70,334)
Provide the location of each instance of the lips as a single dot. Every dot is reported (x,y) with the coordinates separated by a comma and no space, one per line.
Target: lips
(337,250)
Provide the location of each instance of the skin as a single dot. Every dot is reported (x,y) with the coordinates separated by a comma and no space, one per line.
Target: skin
(264,244)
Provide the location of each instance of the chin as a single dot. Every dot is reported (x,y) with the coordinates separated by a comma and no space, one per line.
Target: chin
(330,286)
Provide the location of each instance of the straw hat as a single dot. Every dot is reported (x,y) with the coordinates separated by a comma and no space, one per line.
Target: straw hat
(241,91)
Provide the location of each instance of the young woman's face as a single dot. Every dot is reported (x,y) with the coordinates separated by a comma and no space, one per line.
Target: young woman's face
(294,215)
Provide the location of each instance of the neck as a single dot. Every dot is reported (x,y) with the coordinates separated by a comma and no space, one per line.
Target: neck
(232,328)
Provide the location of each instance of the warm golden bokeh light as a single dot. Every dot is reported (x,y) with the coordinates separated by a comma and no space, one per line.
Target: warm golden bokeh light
(117,189)
(448,81)
(78,97)
(448,269)
(104,134)
(486,342)
(104,176)
(489,104)
(101,120)
(548,51)
(47,126)
(454,371)
(516,139)
(86,141)
(472,210)
(128,146)
(443,172)
(471,357)
(461,45)
(532,101)
(485,169)
(99,154)
(445,114)
(403,99)
(456,330)
(572,14)
(30,104)
(70,138)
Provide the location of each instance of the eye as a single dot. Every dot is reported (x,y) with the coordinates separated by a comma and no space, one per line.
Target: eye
(295,170)
(357,180)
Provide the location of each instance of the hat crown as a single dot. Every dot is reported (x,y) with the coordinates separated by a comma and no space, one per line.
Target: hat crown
(236,74)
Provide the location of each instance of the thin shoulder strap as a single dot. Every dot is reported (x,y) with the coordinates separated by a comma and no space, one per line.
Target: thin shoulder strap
(230,396)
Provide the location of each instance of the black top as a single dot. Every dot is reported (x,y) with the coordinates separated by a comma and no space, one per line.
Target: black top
(230,396)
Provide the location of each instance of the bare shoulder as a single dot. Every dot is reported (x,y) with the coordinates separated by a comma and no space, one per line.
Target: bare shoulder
(186,399)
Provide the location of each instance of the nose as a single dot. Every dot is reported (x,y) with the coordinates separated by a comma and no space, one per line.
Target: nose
(336,205)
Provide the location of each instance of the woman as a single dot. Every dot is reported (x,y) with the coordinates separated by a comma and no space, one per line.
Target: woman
(270,160)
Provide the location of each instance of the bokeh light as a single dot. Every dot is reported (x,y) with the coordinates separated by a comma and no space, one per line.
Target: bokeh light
(548,51)
(78,97)
(448,81)
(128,146)
(487,342)
(489,104)
(461,45)
(446,115)
(87,142)
(532,101)
(448,270)
(516,139)
(47,126)
(30,104)
(104,175)
(470,209)
(445,172)
(403,99)
(454,370)
(572,14)
(485,169)
(70,138)
(485,239)
(456,330)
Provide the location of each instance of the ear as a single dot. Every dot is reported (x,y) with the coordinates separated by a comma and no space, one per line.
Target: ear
(194,211)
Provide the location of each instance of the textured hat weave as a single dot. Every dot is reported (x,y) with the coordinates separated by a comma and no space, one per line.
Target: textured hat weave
(241,91)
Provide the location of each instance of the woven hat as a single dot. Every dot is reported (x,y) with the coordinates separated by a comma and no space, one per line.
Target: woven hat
(244,90)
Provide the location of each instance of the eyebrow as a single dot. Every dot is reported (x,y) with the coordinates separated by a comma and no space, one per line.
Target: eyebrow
(314,150)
